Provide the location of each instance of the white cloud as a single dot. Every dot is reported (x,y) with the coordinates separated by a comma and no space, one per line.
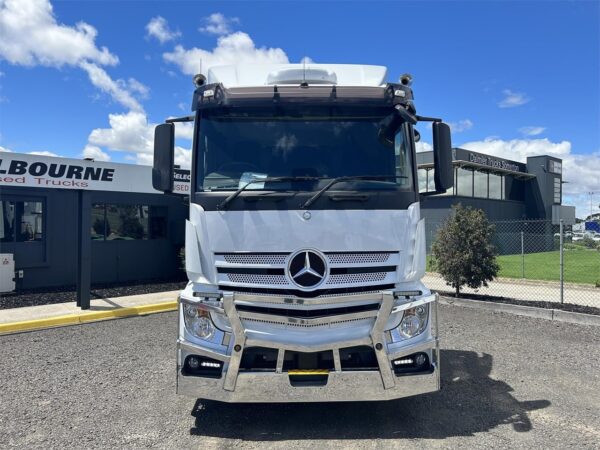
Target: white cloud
(461,125)
(131,132)
(115,89)
(580,171)
(42,153)
(135,86)
(423,147)
(531,131)
(30,35)
(512,99)
(217,23)
(234,48)
(96,153)
(307,60)
(184,130)
(159,29)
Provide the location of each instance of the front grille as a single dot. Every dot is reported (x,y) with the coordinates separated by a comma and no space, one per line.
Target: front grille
(254,258)
(265,272)
(358,258)
(253,278)
(355,278)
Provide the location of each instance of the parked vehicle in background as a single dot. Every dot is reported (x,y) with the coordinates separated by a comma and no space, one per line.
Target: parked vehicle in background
(305,248)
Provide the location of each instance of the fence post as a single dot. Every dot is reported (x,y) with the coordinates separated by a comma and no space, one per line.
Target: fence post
(522,255)
(562,287)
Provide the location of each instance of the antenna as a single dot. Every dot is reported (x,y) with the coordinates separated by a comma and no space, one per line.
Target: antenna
(304,84)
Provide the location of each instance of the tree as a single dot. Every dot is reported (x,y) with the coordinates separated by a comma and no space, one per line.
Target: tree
(462,251)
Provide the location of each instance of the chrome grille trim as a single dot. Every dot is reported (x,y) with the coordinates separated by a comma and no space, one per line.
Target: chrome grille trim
(254,258)
(358,258)
(252,278)
(356,278)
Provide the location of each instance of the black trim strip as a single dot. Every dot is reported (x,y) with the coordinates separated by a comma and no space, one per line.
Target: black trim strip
(308,313)
(251,270)
(349,270)
(304,294)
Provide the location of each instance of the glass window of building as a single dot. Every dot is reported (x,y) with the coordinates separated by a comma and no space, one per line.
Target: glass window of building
(464,182)
(422,174)
(430,180)
(557,184)
(128,222)
(7,221)
(495,186)
(21,221)
(98,221)
(480,184)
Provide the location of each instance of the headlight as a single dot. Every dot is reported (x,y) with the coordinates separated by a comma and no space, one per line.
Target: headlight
(198,321)
(412,324)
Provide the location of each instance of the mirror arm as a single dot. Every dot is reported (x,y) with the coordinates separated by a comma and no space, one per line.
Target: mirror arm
(427,119)
(180,119)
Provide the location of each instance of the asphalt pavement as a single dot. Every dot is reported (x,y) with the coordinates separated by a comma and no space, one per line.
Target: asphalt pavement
(508,382)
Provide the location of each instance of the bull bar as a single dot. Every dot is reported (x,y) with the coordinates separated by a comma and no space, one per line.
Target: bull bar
(347,385)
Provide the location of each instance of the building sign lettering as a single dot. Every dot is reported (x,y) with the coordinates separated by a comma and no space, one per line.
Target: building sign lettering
(495,163)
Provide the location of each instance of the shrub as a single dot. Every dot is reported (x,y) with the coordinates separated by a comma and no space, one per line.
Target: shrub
(588,242)
(462,251)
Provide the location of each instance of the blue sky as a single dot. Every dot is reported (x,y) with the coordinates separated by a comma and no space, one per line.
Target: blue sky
(513,78)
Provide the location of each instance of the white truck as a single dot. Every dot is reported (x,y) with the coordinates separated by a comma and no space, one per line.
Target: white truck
(304,245)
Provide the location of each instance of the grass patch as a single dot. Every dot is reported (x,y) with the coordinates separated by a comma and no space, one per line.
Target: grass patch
(580,266)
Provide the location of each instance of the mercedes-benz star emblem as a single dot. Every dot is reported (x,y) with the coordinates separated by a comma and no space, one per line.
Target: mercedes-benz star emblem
(307,268)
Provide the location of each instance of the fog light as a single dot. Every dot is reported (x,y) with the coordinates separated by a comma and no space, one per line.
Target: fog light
(214,365)
(420,359)
(403,362)
(193,362)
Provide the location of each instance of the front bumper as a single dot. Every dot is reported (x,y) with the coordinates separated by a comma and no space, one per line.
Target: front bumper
(340,385)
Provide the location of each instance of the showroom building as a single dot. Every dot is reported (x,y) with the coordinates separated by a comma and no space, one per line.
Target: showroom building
(136,233)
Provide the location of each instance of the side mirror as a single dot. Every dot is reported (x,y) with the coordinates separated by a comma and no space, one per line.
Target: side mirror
(442,157)
(164,157)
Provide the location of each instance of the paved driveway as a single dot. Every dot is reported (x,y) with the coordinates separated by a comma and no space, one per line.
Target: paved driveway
(508,381)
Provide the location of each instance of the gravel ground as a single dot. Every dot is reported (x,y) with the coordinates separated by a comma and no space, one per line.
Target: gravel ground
(64,294)
(508,382)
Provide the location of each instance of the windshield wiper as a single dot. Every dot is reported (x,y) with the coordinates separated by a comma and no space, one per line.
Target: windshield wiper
(223,205)
(337,180)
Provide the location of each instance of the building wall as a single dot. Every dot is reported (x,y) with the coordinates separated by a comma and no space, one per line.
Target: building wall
(52,261)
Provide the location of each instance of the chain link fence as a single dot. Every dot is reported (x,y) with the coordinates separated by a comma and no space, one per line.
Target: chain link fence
(535,263)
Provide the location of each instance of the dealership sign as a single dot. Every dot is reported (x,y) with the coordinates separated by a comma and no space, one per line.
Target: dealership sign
(495,163)
(61,173)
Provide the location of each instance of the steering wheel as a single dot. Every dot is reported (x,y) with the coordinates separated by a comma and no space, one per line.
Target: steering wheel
(229,167)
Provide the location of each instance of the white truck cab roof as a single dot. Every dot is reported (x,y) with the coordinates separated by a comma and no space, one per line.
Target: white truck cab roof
(248,75)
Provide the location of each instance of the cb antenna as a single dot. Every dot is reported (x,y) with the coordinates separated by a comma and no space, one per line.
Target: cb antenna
(304,83)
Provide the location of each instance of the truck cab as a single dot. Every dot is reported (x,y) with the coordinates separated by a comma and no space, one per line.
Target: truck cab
(304,245)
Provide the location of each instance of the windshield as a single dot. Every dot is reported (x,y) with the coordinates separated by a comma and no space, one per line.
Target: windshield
(235,151)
